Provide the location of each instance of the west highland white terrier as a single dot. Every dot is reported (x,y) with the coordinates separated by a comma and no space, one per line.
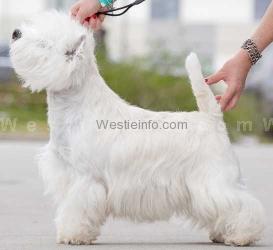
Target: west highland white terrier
(140,174)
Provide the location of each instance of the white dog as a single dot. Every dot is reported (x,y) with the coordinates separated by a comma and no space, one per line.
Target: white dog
(140,174)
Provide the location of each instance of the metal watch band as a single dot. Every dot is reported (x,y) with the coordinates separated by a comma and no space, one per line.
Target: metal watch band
(252,50)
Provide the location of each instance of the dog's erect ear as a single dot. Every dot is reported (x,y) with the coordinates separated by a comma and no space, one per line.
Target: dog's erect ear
(76,48)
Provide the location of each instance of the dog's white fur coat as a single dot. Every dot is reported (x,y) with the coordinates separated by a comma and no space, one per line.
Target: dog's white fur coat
(138,174)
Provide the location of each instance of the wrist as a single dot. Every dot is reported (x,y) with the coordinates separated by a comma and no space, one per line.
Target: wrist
(243,57)
(252,50)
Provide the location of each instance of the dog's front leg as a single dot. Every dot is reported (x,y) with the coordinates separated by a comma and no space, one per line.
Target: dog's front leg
(81,214)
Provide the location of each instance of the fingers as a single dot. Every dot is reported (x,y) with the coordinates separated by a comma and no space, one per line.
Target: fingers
(83,10)
(93,23)
(74,9)
(98,25)
(218,98)
(86,24)
(227,97)
(101,17)
(215,78)
(100,21)
(230,99)
(232,103)
(83,14)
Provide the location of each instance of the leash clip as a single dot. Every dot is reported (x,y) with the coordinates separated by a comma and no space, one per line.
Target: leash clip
(123,9)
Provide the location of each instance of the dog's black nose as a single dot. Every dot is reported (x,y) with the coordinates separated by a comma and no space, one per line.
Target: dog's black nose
(17,34)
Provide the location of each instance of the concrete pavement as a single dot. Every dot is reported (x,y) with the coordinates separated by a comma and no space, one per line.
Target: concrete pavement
(26,216)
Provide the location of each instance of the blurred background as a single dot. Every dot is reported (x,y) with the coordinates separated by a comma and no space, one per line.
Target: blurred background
(141,56)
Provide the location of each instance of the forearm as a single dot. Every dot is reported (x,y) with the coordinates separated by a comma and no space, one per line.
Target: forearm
(264,33)
(235,71)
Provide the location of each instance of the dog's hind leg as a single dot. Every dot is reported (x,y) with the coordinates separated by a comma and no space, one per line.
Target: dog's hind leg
(240,219)
(220,204)
(82,213)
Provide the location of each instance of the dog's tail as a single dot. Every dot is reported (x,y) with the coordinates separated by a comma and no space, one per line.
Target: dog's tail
(205,98)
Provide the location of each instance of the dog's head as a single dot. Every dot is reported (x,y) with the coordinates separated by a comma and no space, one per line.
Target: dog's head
(52,51)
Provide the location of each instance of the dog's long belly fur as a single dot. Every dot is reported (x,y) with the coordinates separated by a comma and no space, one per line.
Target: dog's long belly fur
(148,185)
(149,175)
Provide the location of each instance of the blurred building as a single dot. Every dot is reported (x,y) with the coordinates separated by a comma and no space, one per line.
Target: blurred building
(13,12)
(214,29)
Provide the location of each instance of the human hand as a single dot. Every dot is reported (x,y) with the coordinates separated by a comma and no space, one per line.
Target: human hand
(84,11)
(234,73)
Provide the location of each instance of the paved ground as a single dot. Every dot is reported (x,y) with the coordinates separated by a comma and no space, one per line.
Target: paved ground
(26,217)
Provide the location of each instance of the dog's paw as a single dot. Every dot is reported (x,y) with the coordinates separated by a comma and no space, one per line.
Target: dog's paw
(79,238)
(239,242)
(76,234)
(75,241)
(217,238)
